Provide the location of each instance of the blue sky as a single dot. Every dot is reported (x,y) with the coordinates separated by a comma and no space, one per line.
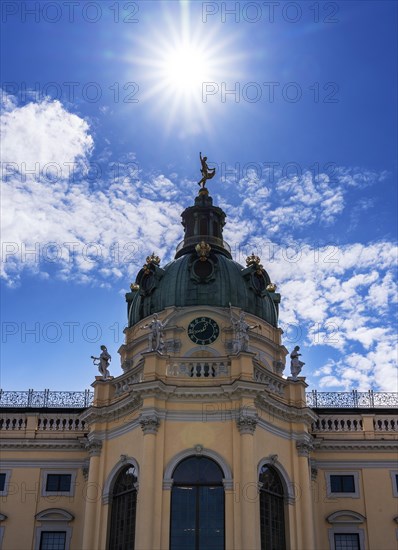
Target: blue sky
(106,106)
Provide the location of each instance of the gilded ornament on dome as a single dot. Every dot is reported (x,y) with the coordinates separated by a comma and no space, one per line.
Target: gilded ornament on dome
(153,259)
(271,287)
(253,260)
(134,287)
(203,250)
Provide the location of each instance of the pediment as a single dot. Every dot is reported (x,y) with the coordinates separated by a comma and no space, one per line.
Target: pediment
(345,516)
(54,514)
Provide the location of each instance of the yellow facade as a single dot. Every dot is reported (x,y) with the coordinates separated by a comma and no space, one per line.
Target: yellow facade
(154,415)
(290,476)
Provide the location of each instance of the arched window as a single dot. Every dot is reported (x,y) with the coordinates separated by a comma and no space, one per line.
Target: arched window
(123,510)
(197,506)
(272,513)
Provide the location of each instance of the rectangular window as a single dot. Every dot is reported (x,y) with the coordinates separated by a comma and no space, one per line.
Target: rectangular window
(342,484)
(394,482)
(346,541)
(2,482)
(58,483)
(52,540)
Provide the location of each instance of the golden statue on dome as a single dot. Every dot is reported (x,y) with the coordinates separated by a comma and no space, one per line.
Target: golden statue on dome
(207,173)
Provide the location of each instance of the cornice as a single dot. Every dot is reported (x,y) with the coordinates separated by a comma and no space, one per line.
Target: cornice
(113,411)
(356,445)
(158,389)
(353,464)
(285,412)
(42,463)
(42,444)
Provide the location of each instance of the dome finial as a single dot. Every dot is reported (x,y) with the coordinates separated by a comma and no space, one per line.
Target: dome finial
(207,173)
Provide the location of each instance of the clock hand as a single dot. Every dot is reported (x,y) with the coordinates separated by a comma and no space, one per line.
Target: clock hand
(201,330)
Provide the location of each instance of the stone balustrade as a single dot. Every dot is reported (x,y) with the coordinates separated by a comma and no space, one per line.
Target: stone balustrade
(204,369)
(385,423)
(355,423)
(338,423)
(56,423)
(123,383)
(274,384)
(42,422)
(13,422)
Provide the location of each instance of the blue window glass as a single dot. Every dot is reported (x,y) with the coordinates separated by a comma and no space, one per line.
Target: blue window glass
(52,540)
(197,506)
(2,482)
(342,484)
(272,510)
(58,482)
(346,541)
(123,511)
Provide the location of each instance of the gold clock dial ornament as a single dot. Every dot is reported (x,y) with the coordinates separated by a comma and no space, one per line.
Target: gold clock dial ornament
(203,331)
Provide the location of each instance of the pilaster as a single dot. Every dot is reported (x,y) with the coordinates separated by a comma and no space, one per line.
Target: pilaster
(90,527)
(248,489)
(150,424)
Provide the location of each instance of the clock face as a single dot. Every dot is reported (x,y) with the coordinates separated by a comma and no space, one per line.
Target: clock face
(203,331)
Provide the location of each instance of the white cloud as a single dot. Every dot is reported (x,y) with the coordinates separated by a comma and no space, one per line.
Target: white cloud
(38,134)
(338,296)
(90,229)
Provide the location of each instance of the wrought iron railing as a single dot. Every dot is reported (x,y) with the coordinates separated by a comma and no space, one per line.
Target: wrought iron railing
(353,399)
(82,399)
(46,398)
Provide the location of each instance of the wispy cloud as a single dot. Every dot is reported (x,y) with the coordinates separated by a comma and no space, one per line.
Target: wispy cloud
(340,296)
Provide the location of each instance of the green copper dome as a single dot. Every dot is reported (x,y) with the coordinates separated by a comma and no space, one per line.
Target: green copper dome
(203,273)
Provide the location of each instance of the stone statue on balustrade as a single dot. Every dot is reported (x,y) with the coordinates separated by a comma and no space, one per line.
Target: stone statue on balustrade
(102,362)
(241,332)
(156,326)
(295,364)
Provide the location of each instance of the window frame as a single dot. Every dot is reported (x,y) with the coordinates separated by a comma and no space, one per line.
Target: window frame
(46,493)
(394,482)
(54,519)
(351,494)
(197,485)
(339,529)
(3,517)
(7,473)
(278,499)
(52,531)
(125,465)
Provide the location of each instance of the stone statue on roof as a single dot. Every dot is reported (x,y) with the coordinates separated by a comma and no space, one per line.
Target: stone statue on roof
(156,326)
(295,364)
(207,173)
(102,362)
(241,332)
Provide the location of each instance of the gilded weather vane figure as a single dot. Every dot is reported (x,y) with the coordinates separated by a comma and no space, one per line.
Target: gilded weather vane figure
(207,173)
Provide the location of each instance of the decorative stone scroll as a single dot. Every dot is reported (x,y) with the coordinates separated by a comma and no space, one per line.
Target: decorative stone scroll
(246,424)
(150,424)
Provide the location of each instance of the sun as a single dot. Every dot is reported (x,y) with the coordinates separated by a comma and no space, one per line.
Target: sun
(174,67)
(185,68)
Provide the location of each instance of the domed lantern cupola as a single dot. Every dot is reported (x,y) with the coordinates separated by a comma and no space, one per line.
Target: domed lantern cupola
(203,272)
(203,222)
